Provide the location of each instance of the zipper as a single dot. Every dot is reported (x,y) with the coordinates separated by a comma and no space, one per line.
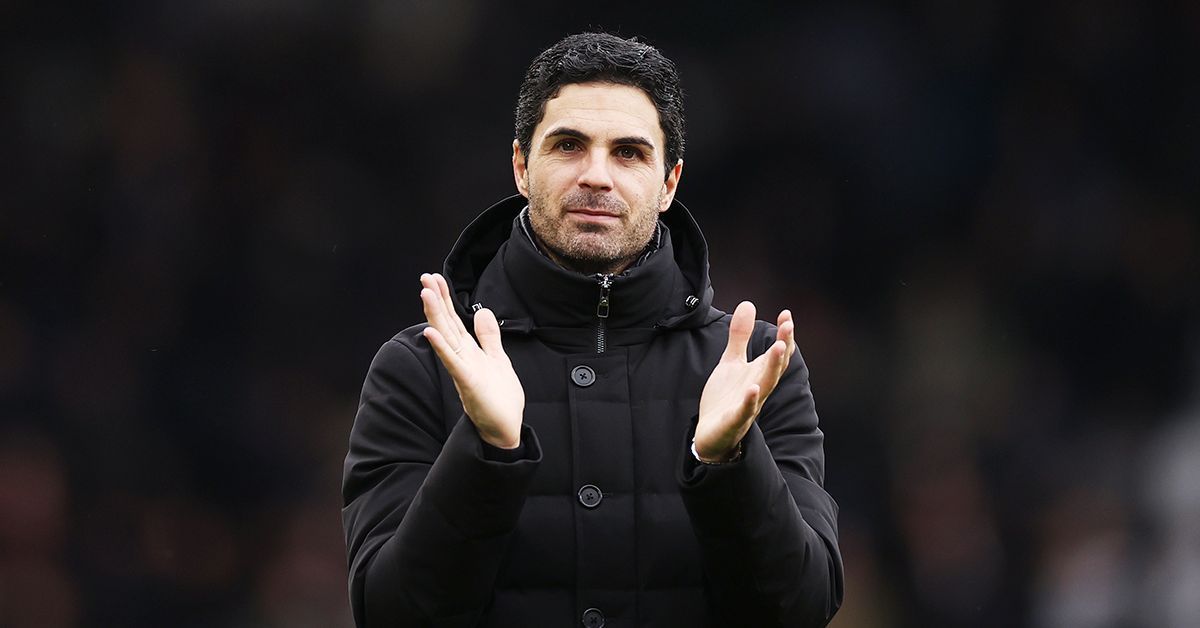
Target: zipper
(602,307)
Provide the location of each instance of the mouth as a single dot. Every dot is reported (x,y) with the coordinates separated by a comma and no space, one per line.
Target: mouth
(592,215)
(589,211)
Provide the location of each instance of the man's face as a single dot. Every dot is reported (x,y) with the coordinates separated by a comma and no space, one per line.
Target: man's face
(594,177)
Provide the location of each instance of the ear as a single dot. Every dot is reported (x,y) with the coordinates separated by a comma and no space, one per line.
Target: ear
(670,185)
(520,171)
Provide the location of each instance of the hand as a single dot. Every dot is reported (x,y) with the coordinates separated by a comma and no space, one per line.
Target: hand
(491,394)
(737,389)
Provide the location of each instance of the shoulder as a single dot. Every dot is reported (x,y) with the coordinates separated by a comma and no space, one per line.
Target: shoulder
(407,352)
(412,339)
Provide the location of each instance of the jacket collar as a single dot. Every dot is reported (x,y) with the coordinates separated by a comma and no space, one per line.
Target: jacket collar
(493,264)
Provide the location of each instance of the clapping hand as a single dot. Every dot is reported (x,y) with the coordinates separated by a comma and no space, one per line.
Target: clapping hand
(737,389)
(491,394)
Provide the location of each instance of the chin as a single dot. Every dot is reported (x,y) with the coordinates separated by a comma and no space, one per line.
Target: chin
(592,247)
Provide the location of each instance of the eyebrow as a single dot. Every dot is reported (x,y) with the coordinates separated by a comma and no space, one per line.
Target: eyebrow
(563,131)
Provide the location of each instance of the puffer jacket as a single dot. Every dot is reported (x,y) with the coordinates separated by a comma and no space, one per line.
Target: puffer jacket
(602,517)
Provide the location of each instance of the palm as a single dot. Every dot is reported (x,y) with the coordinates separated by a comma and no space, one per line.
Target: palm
(724,394)
(737,388)
(491,393)
(489,386)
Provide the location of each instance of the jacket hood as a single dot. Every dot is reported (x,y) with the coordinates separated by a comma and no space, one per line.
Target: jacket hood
(494,265)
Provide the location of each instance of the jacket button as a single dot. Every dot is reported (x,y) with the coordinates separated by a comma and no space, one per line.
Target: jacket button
(593,618)
(590,496)
(583,376)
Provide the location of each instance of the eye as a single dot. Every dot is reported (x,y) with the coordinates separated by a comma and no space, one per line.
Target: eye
(568,146)
(629,153)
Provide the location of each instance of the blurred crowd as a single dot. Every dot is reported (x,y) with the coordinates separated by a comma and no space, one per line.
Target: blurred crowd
(985,216)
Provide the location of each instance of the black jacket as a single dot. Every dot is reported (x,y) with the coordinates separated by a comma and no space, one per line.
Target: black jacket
(603,516)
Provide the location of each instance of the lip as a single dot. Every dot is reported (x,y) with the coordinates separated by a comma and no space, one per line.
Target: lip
(592,212)
(593,215)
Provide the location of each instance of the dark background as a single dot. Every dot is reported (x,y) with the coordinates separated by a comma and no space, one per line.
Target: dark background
(984,216)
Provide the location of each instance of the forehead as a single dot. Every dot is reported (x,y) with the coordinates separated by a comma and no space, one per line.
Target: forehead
(602,110)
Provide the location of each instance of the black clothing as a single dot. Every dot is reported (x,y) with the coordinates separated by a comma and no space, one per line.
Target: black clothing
(603,516)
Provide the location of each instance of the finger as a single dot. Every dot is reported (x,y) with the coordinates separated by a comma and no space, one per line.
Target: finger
(453,362)
(771,368)
(750,403)
(444,293)
(740,329)
(784,357)
(443,317)
(487,330)
(787,333)
(435,315)
(786,325)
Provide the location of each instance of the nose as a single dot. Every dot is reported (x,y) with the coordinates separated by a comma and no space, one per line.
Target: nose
(595,173)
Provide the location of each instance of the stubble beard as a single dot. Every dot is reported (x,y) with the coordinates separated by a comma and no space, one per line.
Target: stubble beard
(586,247)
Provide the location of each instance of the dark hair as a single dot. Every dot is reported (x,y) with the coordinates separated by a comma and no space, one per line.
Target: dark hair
(602,57)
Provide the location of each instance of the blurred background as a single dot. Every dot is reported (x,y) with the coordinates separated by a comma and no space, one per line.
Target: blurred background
(984,215)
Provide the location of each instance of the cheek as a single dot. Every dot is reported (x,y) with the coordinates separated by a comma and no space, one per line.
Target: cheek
(550,178)
(659,198)
(643,187)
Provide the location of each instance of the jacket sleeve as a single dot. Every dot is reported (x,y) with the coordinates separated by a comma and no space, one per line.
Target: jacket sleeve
(426,511)
(766,527)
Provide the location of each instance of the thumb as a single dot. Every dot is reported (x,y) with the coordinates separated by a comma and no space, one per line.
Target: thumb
(740,329)
(487,331)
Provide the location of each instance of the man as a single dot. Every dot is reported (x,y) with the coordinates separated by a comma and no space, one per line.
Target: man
(607,448)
